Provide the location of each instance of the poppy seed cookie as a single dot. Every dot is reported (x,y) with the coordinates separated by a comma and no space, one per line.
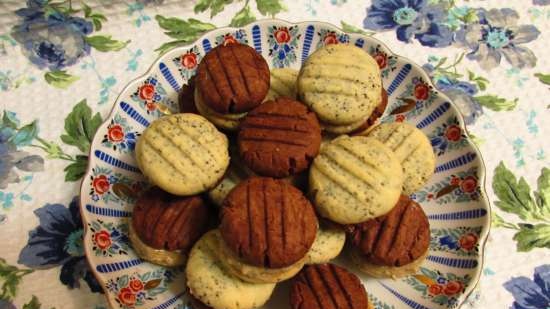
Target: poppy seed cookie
(354,179)
(233,78)
(328,243)
(395,239)
(210,282)
(165,226)
(374,117)
(279,138)
(183,154)
(268,223)
(328,286)
(282,83)
(341,84)
(412,148)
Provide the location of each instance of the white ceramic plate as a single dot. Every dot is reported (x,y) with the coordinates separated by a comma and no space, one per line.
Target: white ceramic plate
(454,198)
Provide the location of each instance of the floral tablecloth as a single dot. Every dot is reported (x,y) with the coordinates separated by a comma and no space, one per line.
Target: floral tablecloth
(62,64)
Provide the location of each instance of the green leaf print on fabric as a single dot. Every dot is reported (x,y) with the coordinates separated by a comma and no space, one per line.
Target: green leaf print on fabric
(80,126)
(104,43)
(215,6)
(543,78)
(184,31)
(270,7)
(60,79)
(496,103)
(96,18)
(533,236)
(515,197)
(243,17)
(10,277)
(76,170)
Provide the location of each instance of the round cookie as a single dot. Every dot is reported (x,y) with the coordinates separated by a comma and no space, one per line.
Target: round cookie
(375,116)
(183,154)
(328,286)
(328,243)
(232,78)
(412,148)
(210,283)
(164,227)
(256,274)
(396,239)
(268,223)
(282,83)
(279,138)
(341,84)
(354,179)
(229,122)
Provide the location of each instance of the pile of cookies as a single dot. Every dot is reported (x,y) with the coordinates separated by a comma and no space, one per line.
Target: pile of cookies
(300,168)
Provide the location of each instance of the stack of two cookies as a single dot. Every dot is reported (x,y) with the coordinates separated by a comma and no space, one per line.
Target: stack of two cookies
(363,182)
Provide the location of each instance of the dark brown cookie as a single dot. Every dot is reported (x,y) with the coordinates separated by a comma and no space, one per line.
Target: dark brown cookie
(186,97)
(279,138)
(327,286)
(268,223)
(233,78)
(165,221)
(376,114)
(395,239)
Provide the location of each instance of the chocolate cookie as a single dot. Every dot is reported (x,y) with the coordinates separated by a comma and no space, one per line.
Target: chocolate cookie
(197,304)
(267,222)
(327,286)
(169,222)
(395,239)
(233,78)
(186,97)
(279,138)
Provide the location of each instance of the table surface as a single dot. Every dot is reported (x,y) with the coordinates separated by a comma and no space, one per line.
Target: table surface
(62,65)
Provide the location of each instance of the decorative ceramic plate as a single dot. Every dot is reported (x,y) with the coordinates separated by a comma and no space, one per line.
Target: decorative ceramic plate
(454,198)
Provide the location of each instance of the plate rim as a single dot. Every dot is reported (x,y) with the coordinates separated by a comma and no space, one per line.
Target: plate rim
(483,198)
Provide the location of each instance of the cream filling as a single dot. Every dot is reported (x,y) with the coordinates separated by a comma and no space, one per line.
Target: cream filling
(225,121)
(156,256)
(382,271)
(255,274)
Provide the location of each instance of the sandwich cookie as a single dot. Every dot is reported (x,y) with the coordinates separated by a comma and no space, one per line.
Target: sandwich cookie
(164,226)
(354,179)
(328,286)
(341,84)
(183,154)
(393,245)
(412,148)
(212,285)
(269,224)
(279,138)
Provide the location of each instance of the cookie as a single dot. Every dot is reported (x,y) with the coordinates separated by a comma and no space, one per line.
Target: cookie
(395,239)
(354,179)
(374,117)
(165,226)
(282,83)
(195,303)
(210,283)
(328,243)
(232,78)
(412,148)
(186,97)
(382,271)
(256,274)
(279,138)
(341,84)
(327,286)
(228,122)
(268,223)
(183,154)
